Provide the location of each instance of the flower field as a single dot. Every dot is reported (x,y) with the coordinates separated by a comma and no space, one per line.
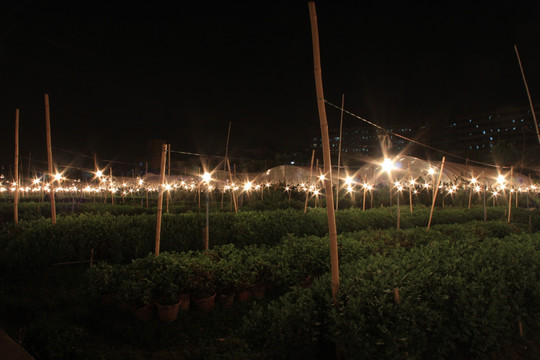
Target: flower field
(464,289)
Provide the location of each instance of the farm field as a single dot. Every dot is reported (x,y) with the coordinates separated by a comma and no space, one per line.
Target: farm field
(465,289)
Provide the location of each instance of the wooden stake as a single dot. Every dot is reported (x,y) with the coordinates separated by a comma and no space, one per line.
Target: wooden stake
(49,157)
(91,257)
(435,191)
(110,184)
(339,151)
(160,195)
(225,160)
(16,199)
(510,192)
(470,192)
(332,231)
(146,173)
(309,182)
(168,174)
(528,93)
(232,189)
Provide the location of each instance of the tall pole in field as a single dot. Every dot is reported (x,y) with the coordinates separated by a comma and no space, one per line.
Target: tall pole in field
(339,150)
(168,175)
(232,187)
(160,196)
(16,200)
(528,93)
(49,157)
(435,190)
(332,231)
(225,161)
(510,192)
(309,183)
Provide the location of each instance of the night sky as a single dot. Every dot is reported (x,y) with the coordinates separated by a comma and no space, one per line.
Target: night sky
(120,74)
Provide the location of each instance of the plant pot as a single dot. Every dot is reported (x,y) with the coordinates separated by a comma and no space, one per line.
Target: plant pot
(205,304)
(144,313)
(107,299)
(226,300)
(258,292)
(167,313)
(184,301)
(243,295)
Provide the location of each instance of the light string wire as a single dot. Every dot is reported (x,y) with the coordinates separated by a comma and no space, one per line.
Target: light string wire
(412,140)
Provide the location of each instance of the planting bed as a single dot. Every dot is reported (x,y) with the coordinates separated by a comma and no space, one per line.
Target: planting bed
(464,289)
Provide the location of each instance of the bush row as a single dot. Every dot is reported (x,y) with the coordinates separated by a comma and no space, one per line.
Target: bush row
(459,295)
(30,245)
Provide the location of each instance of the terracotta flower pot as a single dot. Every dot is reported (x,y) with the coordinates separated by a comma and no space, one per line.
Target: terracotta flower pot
(107,299)
(206,304)
(226,300)
(167,313)
(144,313)
(258,292)
(243,295)
(184,301)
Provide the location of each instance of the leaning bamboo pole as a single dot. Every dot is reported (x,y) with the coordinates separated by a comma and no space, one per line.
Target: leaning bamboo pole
(339,151)
(309,182)
(528,93)
(49,157)
(168,175)
(16,199)
(435,191)
(160,196)
(510,192)
(326,153)
(225,160)
(233,194)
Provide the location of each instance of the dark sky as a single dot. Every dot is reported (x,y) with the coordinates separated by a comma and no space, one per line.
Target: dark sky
(120,74)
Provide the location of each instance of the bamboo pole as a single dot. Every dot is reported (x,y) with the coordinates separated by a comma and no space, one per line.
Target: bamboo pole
(484,195)
(232,188)
(339,151)
(410,190)
(510,192)
(528,93)
(225,161)
(16,199)
(160,196)
(146,187)
(470,192)
(111,185)
(326,153)
(168,174)
(49,157)
(309,183)
(435,191)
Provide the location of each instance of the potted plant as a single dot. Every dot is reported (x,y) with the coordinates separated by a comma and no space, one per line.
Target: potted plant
(202,282)
(103,281)
(168,274)
(226,275)
(135,293)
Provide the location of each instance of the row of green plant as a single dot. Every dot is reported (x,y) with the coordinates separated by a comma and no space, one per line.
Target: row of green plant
(227,270)
(35,206)
(66,323)
(459,295)
(32,245)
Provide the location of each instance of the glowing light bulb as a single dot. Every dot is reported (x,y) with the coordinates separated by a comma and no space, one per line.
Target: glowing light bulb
(207,177)
(387,165)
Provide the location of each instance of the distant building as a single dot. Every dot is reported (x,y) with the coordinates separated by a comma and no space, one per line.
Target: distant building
(366,141)
(479,136)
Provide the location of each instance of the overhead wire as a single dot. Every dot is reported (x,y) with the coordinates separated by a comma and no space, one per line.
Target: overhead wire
(412,140)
